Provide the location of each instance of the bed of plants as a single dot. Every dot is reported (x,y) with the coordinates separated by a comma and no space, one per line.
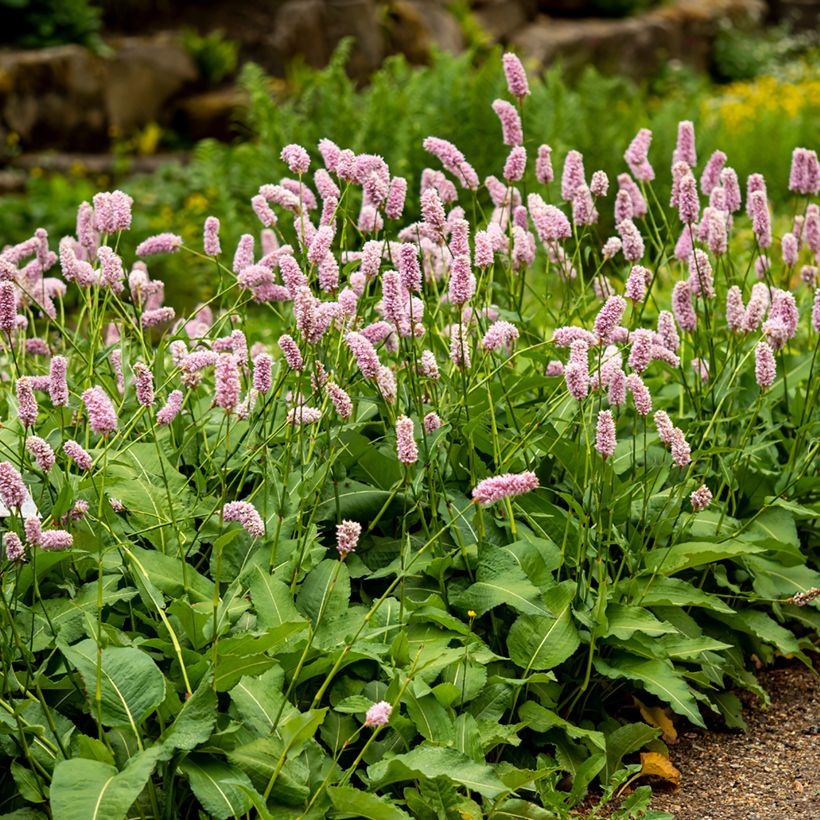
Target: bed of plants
(446,501)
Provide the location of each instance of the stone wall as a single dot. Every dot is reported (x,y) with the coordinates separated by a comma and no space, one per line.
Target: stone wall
(68,98)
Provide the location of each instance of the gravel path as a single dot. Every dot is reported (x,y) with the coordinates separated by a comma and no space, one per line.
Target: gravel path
(770,773)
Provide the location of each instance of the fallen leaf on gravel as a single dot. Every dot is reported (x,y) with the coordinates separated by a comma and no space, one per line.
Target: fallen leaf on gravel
(657,716)
(654,764)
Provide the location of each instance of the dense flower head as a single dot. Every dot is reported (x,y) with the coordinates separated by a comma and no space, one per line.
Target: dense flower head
(583,207)
(609,317)
(700,498)
(685,148)
(681,452)
(515,164)
(157,316)
(640,354)
(291,352)
(516,76)
(688,205)
(633,244)
(160,243)
(804,177)
(664,426)
(112,211)
(636,156)
(573,175)
(13,492)
(605,440)
(41,452)
(550,222)
(500,335)
(462,281)
(667,331)
(599,184)
(710,177)
(144,384)
(543,165)
(765,366)
(453,161)
(347,537)
(102,416)
(15,551)
(365,354)
(496,488)
(378,714)
(340,399)
(227,391)
(26,402)
(682,307)
(701,281)
(431,423)
(406,448)
(637,282)
(77,454)
(640,394)
(761,221)
(297,159)
(171,408)
(8,306)
(52,540)
(512,133)
(246,514)
(815,311)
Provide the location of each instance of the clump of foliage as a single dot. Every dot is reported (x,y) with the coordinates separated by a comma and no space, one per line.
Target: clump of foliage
(41,23)
(214,55)
(417,515)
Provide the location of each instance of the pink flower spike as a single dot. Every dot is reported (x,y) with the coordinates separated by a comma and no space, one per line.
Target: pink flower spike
(493,489)
(227,382)
(633,244)
(685,149)
(516,164)
(510,123)
(13,491)
(15,551)
(145,384)
(211,236)
(431,423)
(543,165)
(599,186)
(688,205)
(347,537)
(262,369)
(171,409)
(605,440)
(246,514)
(700,498)
(41,451)
(406,448)
(102,417)
(161,243)
(26,402)
(516,76)
(664,426)
(296,158)
(52,540)
(340,399)
(711,173)
(682,307)
(378,714)
(158,316)
(76,453)
(681,453)
(765,367)
(573,175)
(640,394)
(636,156)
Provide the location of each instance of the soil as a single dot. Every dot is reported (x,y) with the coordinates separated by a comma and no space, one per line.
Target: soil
(771,772)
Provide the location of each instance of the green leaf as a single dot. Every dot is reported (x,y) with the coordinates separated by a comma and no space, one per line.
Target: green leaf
(435,761)
(540,643)
(540,719)
(89,790)
(222,789)
(657,677)
(624,740)
(326,590)
(430,717)
(272,599)
(669,560)
(195,721)
(170,576)
(625,621)
(132,685)
(521,810)
(354,803)
(662,591)
(500,580)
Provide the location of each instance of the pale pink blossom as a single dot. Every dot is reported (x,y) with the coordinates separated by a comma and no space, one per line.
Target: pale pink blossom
(41,452)
(685,148)
(681,452)
(605,440)
(227,391)
(573,175)
(102,417)
(765,366)
(431,423)
(15,551)
(171,408)
(347,537)
(510,123)
(493,489)
(543,165)
(378,714)
(682,306)
(26,402)
(406,448)
(700,498)
(640,394)
(161,243)
(13,491)
(246,514)
(340,399)
(210,236)
(711,172)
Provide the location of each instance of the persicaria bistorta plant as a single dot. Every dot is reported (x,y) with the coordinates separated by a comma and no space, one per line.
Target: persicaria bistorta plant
(399,502)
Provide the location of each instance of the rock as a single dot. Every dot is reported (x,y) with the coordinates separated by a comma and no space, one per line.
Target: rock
(53,96)
(211,114)
(418,25)
(636,46)
(142,76)
(500,18)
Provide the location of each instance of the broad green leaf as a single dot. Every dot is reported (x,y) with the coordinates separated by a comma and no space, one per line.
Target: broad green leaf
(436,761)
(540,643)
(761,626)
(658,677)
(132,685)
(626,739)
(625,621)
(540,719)
(430,717)
(221,788)
(260,758)
(774,528)
(173,576)
(669,560)
(500,580)
(325,591)
(354,803)
(195,721)
(662,591)
(90,790)
(272,599)
(521,810)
